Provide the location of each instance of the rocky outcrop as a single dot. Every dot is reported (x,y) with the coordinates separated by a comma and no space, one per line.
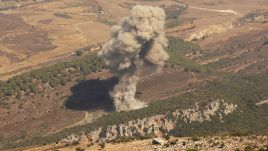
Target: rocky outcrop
(158,125)
(211,30)
(212,109)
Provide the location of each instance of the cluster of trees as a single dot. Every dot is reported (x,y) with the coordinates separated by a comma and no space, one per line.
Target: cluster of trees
(177,50)
(4,5)
(60,74)
(224,62)
(62,15)
(52,76)
(253,15)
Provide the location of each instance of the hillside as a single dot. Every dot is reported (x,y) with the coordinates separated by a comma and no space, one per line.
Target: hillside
(69,83)
(55,92)
(209,110)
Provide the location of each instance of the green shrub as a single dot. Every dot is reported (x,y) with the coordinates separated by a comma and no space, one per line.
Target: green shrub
(191,149)
(78,52)
(79,149)
(55,75)
(177,50)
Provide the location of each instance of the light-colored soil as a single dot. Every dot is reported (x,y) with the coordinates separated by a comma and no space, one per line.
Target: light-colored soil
(217,143)
(263,102)
(67,34)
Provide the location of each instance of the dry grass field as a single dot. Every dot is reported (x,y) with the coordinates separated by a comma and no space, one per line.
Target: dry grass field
(39,33)
(43,32)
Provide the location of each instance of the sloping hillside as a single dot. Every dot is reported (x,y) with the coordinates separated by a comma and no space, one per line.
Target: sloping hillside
(224,106)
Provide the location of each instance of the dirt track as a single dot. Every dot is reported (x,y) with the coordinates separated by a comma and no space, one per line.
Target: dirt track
(88,117)
(216,10)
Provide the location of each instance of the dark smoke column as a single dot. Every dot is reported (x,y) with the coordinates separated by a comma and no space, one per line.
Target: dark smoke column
(137,40)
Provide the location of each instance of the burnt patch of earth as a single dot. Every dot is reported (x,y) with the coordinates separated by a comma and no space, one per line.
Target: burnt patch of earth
(91,95)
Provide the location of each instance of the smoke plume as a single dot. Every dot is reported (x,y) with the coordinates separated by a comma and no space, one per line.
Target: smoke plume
(137,40)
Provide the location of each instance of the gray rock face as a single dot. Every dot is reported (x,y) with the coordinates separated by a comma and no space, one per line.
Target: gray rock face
(158,141)
(160,124)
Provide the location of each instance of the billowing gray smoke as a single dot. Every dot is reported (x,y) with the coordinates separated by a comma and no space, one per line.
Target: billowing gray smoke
(137,40)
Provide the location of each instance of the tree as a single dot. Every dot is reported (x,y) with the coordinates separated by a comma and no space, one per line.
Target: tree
(78,52)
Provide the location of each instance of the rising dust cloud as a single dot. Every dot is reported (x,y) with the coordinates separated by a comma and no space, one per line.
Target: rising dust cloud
(137,40)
